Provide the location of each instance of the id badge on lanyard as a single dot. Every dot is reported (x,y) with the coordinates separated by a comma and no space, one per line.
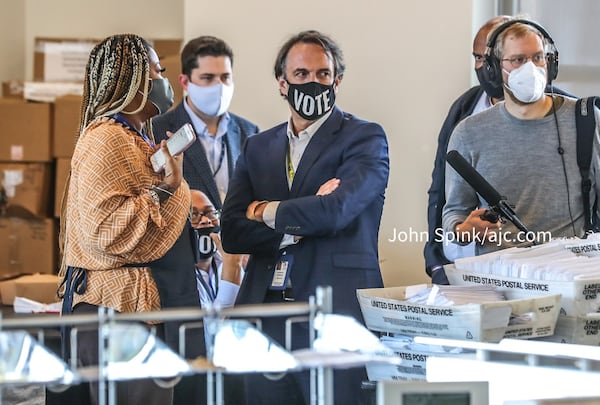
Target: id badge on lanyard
(281,275)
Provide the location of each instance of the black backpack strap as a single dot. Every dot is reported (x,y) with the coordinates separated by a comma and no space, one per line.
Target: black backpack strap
(586,125)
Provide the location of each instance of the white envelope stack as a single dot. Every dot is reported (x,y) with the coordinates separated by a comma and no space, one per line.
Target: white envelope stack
(570,267)
(472,312)
(413,356)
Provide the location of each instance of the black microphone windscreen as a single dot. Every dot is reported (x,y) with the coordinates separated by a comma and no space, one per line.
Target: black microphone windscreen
(472,176)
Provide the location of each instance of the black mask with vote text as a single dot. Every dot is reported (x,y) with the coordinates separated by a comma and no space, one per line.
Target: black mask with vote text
(206,246)
(311,100)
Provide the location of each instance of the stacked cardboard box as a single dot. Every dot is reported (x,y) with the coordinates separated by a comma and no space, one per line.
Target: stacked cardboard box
(64,59)
(26,172)
(38,287)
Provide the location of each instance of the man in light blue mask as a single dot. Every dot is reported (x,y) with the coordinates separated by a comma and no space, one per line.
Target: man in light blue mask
(207,79)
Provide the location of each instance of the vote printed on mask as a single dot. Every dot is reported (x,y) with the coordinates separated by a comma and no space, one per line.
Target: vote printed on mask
(311,100)
(206,245)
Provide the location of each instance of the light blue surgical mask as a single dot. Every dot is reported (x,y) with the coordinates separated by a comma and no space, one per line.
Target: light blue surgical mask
(211,100)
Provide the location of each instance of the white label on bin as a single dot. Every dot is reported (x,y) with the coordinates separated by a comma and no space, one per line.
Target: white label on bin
(12,178)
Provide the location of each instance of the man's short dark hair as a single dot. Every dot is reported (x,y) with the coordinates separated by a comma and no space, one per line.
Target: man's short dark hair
(311,37)
(203,46)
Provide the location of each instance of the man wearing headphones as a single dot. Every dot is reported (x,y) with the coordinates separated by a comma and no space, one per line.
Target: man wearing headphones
(438,249)
(531,157)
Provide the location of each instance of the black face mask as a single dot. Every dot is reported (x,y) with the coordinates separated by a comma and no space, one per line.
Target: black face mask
(161,94)
(206,246)
(311,100)
(489,88)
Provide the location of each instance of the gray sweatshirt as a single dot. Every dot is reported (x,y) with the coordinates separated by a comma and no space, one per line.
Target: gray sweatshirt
(520,159)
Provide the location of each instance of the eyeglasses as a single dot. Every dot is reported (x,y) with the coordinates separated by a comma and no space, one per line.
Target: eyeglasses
(212,215)
(539,59)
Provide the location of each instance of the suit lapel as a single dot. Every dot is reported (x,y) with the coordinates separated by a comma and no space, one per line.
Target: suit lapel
(202,168)
(319,142)
(181,115)
(278,147)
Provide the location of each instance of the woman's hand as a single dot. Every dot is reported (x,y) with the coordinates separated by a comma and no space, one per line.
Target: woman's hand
(173,166)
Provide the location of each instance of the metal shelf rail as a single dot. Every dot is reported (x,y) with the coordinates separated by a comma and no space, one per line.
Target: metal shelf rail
(321,373)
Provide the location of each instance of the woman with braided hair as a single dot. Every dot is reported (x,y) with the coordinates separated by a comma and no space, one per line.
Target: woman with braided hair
(124,227)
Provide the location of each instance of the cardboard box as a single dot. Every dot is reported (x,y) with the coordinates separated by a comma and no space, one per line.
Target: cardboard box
(38,287)
(578,297)
(27,246)
(387,310)
(48,92)
(25,131)
(61,59)
(67,111)
(28,185)
(12,89)
(166,47)
(65,59)
(63,165)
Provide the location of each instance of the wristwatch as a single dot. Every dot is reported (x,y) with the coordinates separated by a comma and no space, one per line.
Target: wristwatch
(154,196)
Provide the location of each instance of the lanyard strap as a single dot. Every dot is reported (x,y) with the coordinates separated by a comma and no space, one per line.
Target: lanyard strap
(290,167)
(118,117)
(207,287)
(74,282)
(221,157)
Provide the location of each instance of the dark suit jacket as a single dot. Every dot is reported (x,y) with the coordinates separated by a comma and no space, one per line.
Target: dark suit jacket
(178,289)
(196,169)
(461,108)
(340,230)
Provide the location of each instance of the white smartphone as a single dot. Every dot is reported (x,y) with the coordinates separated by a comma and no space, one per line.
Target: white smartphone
(177,143)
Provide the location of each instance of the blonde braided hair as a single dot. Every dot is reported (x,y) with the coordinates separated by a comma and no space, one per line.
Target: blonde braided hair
(117,68)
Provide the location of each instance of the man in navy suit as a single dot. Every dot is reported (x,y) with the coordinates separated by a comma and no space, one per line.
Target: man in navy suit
(207,79)
(306,201)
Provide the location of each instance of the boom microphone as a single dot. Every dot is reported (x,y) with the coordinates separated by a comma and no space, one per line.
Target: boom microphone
(472,176)
(498,204)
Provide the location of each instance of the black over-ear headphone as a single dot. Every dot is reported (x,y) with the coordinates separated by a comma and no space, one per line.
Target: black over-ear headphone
(491,65)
